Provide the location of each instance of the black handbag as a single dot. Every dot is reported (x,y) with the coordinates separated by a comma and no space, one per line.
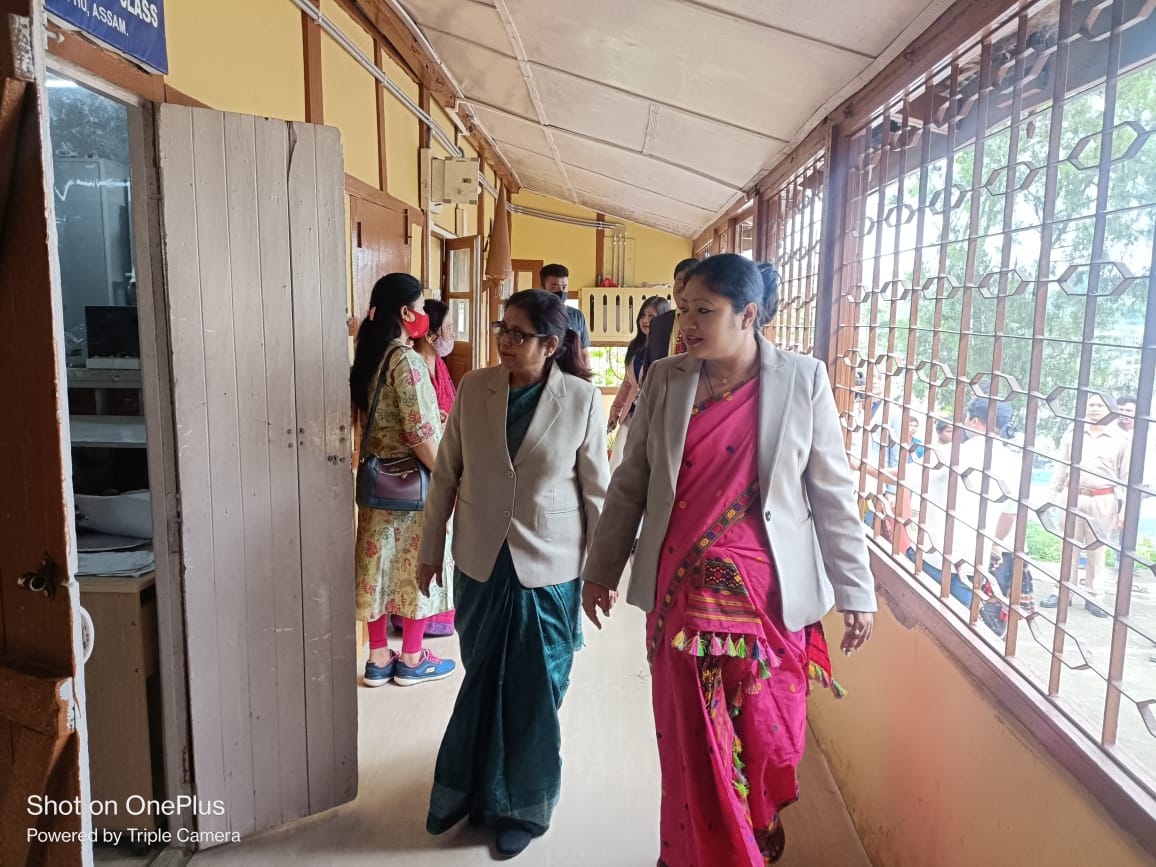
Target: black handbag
(394,484)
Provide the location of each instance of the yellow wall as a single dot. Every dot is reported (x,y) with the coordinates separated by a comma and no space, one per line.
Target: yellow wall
(217,57)
(401,139)
(653,254)
(350,96)
(572,246)
(935,775)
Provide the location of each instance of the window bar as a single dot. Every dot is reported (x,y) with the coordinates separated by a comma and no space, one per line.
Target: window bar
(922,474)
(982,568)
(967,292)
(814,239)
(794,264)
(895,299)
(1124,577)
(950,117)
(1128,539)
(1047,233)
(1089,336)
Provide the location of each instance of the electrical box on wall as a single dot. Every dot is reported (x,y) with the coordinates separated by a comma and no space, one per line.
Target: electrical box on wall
(448,181)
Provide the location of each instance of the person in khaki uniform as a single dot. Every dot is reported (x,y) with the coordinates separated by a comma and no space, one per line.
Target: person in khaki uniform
(1103,465)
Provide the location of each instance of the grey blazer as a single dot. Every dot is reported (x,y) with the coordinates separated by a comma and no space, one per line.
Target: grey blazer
(809,504)
(544,503)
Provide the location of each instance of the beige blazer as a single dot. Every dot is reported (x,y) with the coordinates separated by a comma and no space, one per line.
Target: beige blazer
(809,503)
(544,503)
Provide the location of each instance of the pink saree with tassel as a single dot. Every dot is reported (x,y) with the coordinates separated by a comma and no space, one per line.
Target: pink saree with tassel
(729,680)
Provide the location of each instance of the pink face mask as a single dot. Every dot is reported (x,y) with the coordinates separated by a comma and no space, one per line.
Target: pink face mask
(443,346)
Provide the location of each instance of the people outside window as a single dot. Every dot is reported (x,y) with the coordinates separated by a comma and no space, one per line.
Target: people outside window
(524,458)
(556,279)
(1126,407)
(912,442)
(622,410)
(944,434)
(406,421)
(978,477)
(749,535)
(1103,466)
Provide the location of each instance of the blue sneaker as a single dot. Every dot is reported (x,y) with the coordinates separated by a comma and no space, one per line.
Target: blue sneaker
(379,675)
(429,667)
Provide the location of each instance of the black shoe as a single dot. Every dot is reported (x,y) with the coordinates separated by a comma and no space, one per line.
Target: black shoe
(512,840)
(1052,601)
(1095,610)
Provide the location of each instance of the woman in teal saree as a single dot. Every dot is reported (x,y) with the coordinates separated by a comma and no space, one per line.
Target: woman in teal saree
(524,458)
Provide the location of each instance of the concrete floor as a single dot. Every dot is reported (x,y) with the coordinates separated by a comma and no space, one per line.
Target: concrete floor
(608,815)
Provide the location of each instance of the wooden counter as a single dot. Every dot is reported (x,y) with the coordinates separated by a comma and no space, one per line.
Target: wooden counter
(122,688)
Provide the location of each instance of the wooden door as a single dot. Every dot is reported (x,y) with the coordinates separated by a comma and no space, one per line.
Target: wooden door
(41,729)
(526,273)
(463,281)
(380,238)
(254,248)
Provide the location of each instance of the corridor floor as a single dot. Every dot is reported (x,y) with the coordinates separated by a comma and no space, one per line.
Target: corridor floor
(608,815)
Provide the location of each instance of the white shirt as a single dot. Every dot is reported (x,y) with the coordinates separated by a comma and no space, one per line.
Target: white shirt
(1003,472)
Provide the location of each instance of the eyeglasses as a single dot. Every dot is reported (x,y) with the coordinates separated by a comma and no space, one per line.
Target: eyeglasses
(516,336)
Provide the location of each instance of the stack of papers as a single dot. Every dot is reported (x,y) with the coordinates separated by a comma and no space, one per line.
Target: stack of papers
(131,564)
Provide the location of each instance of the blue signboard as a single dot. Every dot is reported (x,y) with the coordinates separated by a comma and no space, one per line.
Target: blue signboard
(133,27)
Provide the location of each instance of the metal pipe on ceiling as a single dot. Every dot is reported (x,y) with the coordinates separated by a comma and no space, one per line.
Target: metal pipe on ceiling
(336,34)
(563,218)
(459,95)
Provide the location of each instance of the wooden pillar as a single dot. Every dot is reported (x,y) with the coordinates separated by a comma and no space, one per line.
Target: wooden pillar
(311,42)
(423,141)
(382,158)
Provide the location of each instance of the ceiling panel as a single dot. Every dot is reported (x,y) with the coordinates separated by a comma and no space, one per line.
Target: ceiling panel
(511,128)
(645,172)
(759,79)
(475,22)
(614,190)
(530,162)
(842,24)
(484,75)
(660,109)
(545,186)
(588,108)
(731,155)
(618,210)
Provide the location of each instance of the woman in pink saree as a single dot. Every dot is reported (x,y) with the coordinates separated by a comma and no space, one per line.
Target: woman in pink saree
(756,538)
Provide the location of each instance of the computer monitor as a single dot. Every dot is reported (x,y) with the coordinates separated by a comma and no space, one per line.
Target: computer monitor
(112,332)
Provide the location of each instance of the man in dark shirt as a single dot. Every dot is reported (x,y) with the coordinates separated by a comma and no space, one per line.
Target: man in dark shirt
(664,328)
(556,278)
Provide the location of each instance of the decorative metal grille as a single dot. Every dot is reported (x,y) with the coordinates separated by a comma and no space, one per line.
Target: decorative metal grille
(793,238)
(999,218)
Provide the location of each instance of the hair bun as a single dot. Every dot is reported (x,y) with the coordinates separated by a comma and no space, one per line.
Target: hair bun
(771,281)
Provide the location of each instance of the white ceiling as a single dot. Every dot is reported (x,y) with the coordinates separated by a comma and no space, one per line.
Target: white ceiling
(660,111)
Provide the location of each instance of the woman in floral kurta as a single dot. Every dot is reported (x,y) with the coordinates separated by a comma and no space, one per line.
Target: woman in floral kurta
(387,542)
(406,421)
